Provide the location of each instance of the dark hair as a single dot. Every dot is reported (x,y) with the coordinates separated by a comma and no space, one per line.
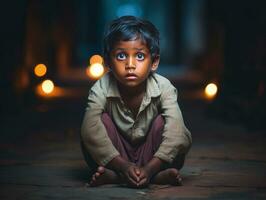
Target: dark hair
(129,28)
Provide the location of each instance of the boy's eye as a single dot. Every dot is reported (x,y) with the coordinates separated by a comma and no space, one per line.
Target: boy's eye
(140,56)
(121,56)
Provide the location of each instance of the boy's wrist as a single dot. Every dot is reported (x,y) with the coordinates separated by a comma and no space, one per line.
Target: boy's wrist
(153,166)
(118,164)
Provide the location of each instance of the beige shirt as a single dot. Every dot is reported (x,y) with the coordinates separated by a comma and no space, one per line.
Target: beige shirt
(160,98)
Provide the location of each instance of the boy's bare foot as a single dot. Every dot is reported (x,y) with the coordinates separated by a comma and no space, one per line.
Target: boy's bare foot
(103,176)
(169,176)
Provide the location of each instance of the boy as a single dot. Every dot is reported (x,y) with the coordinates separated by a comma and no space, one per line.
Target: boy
(133,131)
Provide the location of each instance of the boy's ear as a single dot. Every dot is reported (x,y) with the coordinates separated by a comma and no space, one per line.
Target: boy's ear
(155,64)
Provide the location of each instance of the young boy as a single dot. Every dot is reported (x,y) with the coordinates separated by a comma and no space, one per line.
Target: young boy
(133,131)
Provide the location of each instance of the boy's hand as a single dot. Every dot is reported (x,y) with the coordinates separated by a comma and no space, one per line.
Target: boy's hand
(144,177)
(130,172)
(150,169)
(134,175)
(139,177)
(126,169)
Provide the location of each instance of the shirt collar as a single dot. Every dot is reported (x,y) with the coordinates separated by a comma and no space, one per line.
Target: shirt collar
(113,89)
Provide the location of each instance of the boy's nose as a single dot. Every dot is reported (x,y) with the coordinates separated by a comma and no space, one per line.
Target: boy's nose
(131,63)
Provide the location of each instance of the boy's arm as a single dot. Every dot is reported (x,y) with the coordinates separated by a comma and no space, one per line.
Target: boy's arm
(153,166)
(93,131)
(176,137)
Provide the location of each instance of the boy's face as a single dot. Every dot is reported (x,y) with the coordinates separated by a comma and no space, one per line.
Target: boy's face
(131,62)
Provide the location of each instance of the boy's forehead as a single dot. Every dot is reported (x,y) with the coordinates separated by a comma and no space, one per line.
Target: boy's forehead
(130,44)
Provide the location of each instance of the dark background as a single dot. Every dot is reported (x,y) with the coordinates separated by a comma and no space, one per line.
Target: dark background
(202,41)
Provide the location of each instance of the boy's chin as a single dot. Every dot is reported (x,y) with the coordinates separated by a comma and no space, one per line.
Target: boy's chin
(132,84)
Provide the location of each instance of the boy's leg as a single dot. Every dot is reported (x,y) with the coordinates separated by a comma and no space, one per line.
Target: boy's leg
(140,155)
(122,146)
(116,139)
(99,174)
(169,173)
(144,153)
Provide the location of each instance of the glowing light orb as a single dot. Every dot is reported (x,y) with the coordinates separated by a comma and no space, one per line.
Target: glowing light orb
(40,70)
(47,86)
(95,70)
(96,59)
(211,90)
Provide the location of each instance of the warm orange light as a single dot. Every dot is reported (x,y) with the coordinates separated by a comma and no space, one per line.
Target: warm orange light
(95,71)
(57,92)
(47,86)
(211,90)
(40,70)
(96,59)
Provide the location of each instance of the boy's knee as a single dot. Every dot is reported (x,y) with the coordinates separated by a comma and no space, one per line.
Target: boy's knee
(159,120)
(158,123)
(105,117)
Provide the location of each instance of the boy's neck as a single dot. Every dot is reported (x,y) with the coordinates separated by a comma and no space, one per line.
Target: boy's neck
(133,97)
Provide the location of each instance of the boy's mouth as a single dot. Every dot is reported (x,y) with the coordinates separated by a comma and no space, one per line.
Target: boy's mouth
(131,76)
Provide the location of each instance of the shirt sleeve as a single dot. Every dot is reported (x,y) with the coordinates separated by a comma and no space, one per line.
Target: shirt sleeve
(93,132)
(176,137)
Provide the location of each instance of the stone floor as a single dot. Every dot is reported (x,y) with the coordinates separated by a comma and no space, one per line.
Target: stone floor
(40,158)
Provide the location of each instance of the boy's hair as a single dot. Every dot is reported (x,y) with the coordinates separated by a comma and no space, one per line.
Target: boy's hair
(128,28)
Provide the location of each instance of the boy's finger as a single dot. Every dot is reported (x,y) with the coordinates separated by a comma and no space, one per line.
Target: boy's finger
(143,182)
(143,174)
(131,181)
(137,171)
(134,176)
(141,177)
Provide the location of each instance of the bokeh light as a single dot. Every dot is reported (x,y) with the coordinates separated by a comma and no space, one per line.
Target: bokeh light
(95,71)
(47,86)
(40,70)
(211,90)
(96,59)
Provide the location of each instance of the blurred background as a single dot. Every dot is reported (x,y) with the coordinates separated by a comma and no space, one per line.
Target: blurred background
(50,57)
